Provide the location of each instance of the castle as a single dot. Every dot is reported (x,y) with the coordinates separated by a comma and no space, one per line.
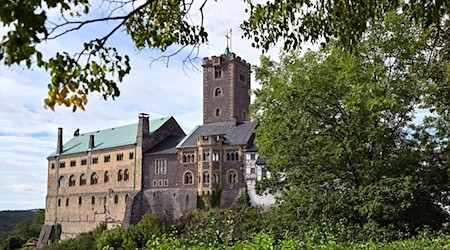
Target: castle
(114,176)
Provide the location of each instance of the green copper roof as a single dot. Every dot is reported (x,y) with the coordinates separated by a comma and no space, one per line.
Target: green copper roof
(108,138)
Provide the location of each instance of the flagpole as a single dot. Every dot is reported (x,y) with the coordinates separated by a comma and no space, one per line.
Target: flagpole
(231,41)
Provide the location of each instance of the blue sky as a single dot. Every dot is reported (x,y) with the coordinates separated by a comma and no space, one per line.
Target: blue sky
(28,131)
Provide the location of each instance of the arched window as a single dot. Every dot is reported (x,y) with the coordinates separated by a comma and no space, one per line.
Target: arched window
(232,177)
(59,202)
(236,156)
(216,178)
(67,202)
(72,181)
(216,157)
(120,175)
(206,177)
(62,181)
(82,180)
(184,158)
(206,156)
(93,200)
(126,175)
(188,178)
(80,200)
(126,198)
(228,157)
(217,92)
(116,199)
(106,177)
(217,112)
(94,179)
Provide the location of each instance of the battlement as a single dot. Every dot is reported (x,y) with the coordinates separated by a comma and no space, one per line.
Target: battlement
(217,60)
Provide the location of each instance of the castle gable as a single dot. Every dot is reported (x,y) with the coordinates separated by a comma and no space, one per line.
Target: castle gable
(234,134)
(168,146)
(108,138)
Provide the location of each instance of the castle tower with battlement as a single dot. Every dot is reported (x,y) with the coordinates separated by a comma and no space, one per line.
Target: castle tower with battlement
(226,86)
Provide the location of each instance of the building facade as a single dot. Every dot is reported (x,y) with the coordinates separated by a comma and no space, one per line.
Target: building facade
(116,175)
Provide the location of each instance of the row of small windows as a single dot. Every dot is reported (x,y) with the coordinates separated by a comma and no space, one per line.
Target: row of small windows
(188,158)
(94,160)
(123,175)
(161,183)
(188,178)
(80,200)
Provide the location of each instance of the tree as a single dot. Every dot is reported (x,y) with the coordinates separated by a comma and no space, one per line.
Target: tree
(97,67)
(339,126)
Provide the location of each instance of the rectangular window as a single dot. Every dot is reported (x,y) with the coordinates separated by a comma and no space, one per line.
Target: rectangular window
(252,171)
(217,73)
(161,166)
(83,162)
(107,158)
(52,165)
(62,164)
(73,163)
(131,155)
(263,173)
(119,157)
(94,160)
(252,156)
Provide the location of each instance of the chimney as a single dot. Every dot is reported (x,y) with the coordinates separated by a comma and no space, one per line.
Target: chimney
(59,143)
(143,128)
(91,142)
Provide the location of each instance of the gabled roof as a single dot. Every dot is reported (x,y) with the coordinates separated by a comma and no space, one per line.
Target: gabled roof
(108,138)
(167,146)
(234,134)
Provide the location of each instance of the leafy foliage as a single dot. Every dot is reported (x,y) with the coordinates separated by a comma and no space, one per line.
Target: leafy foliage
(300,21)
(97,67)
(339,127)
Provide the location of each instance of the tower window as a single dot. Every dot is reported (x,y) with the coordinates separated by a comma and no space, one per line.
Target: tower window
(217,112)
(80,200)
(242,77)
(217,92)
(217,73)
(116,199)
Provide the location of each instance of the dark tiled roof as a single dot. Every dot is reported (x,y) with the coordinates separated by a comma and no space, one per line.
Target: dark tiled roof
(251,148)
(167,146)
(262,160)
(234,134)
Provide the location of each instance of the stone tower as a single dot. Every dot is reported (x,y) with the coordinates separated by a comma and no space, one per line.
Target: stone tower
(226,86)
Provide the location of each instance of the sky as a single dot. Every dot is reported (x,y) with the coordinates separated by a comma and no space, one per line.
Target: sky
(28,131)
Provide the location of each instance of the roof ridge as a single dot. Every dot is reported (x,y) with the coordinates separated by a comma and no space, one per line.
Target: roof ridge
(121,126)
